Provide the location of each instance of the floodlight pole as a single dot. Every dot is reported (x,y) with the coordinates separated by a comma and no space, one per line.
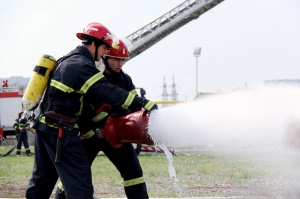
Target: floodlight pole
(197,53)
(196,75)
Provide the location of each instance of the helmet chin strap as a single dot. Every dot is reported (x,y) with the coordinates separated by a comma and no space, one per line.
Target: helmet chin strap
(96,52)
(107,66)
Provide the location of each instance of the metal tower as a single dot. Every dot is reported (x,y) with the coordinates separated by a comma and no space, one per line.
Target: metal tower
(165,93)
(174,92)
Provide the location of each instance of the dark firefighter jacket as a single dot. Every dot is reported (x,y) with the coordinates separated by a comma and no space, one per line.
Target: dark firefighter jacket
(20,123)
(87,124)
(121,79)
(76,82)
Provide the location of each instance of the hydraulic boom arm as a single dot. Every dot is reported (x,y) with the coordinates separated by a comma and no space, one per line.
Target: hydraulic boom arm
(161,27)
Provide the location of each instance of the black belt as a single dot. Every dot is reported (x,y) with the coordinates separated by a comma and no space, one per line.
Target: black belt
(59,120)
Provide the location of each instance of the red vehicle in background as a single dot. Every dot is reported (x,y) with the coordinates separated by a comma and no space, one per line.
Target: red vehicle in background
(10,105)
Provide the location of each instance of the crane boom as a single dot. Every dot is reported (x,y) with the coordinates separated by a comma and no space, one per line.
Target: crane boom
(161,27)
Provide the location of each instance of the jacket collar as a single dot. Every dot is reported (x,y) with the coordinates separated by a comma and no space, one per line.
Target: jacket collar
(83,50)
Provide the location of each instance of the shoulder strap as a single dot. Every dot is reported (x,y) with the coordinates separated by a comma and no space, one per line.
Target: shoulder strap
(46,93)
(65,57)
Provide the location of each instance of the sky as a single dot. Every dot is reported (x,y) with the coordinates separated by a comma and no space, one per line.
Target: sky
(243,42)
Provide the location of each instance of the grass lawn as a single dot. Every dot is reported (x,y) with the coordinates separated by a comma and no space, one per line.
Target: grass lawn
(201,173)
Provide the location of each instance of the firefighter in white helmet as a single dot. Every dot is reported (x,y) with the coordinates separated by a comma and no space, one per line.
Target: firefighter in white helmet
(124,158)
(75,83)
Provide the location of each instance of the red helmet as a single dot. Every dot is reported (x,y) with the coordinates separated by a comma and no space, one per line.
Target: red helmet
(120,51)
(99,31)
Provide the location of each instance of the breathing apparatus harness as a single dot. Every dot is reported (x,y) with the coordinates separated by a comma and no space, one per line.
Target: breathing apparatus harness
(45,107)
(53,118)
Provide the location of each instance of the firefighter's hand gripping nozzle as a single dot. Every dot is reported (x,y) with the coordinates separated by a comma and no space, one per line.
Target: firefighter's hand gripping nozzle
(38,82)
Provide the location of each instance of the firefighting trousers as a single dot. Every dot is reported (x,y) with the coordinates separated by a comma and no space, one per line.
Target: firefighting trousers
(124,159)
(22,138)
(73,169)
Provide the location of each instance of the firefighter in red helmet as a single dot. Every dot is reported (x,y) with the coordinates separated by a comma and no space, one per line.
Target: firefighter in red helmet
(75,83)
(125,158)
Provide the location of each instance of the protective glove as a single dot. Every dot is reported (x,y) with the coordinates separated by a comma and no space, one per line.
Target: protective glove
(139,102)
(118,111)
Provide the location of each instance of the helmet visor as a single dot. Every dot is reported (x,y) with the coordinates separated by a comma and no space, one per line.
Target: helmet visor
(115,41)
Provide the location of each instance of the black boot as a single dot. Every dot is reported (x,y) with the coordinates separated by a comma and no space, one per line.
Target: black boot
(28,153)
(137,191)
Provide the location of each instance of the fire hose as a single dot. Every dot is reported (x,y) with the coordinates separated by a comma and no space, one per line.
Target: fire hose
(12,149)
